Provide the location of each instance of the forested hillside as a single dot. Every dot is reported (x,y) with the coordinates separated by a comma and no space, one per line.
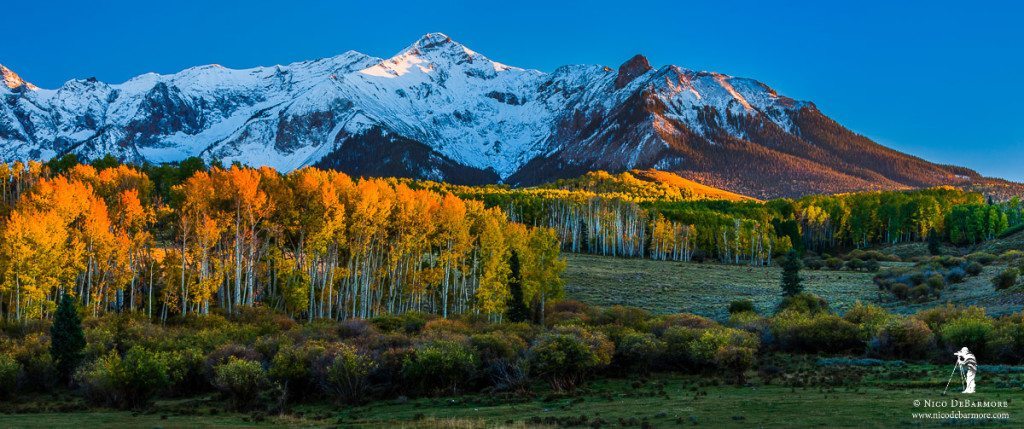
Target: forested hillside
(311,243)
(621,215)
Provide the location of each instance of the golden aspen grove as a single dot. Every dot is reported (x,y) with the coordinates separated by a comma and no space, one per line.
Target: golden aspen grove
(311,243)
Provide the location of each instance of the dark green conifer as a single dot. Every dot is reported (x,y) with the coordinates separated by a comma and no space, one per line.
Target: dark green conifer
(791,274)
(66,338)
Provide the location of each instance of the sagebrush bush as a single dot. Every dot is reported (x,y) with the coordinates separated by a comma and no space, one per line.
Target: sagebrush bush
(440,366)
(974,268)
(903,338)
(567,355)
(956,275)
(344,373)
(1006,279)
(981,258)
(10,371)
(242,381)
(129,381)
(741,306)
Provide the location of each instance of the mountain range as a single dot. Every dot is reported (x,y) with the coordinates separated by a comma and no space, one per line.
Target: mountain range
(438,110)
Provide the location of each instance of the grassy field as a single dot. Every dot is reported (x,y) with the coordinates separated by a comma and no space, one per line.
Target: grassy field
(811,395)
(707,289)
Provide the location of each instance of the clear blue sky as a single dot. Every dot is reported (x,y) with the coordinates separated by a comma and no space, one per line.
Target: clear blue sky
(942,80)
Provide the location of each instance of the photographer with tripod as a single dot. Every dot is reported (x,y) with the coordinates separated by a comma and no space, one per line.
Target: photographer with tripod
(968,366)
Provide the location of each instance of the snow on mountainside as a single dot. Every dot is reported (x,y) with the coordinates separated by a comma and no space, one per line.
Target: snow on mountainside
(438,110)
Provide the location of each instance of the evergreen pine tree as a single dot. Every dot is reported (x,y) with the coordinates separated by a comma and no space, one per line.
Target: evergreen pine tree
(66,338)
(933,243)
(791,274)
(516,309)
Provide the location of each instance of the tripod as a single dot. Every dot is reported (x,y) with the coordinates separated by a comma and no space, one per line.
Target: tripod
(955,367)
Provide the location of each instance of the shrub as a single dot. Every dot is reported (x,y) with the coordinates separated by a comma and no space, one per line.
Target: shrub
(855,264)
(355,328)
(223,354)
(512,376)
(834,263)
(869,318)
(936,281)
(906,338)
(10,370)
(872,266)
(661,324)
(677,341)
(805,302)
(702,350)
(1005,279)
(901,291)
(809,332)
(291,367)
(631,317)
(813,263)
(968,331)
(32,352)
(185,370)
(741,306)
(981,258)
(242,381)
(566,356)
(974,268)
(440,366)
(344,373)
(919,293)
(497,345)
(446,326)
(736,360)
(410,322)
(956,275)
(937,317)
(1007,342)
(638,351)
(130,381)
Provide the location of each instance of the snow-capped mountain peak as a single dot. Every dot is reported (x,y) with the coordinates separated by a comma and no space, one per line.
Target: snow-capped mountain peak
(439,110)
(14,82)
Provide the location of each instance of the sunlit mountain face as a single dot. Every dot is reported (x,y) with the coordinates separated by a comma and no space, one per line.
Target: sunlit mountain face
(441,111)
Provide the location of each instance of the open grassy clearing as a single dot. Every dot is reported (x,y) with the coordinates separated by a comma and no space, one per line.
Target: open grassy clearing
(806,395)
(707,289)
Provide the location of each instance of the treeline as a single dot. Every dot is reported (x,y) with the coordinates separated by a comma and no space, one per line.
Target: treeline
(596,216)
(312,243)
